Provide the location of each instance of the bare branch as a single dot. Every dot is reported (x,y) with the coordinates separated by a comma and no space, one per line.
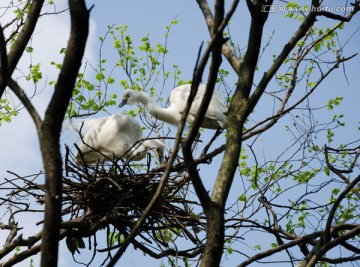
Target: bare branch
(15,87)
(3,58)
(339,173)
(156,196)
(226,50)
(327,246)
(326,235)
(273,251)
(21,41)
(356,8)
(282,111)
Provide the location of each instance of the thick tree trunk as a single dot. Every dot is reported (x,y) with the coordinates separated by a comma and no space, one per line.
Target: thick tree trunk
(53,169)
(215,236)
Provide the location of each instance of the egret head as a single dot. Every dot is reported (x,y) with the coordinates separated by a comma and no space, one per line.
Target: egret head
(157,147)
(129,97)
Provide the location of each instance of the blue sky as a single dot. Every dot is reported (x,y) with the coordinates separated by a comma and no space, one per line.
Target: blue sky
(21,147)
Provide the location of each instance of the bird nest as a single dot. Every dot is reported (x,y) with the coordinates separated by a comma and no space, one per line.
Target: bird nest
(113,196)
(120,188)
(117,192)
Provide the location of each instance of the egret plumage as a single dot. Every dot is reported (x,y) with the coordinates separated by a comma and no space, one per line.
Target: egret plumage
(113,137)
(215,116)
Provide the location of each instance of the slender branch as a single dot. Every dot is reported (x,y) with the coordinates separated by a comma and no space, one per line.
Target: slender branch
(338,172)
(307,23)
(282,111)
(341,260)
(23,38)
(333,243)
(13,232)
(346,245)
(226,50)
(19,92)
(187,143)
(273,251)
(154,199)
(30,243)
(22,256)
(169,252)
(300,33)
(19,241)
(326,235)
(3,58)
(213,48)
(356,8)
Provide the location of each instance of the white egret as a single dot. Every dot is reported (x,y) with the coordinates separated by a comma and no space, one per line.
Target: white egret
(215,116)
(116,136)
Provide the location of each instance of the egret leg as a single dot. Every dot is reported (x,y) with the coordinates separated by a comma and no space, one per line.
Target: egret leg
(216,135)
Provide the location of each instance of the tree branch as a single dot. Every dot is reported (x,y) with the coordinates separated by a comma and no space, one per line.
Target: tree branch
(300,33)
(282,111)
(23,38)
(226,50)
(3,58)
(19,92)
(157,194)
(331,244)
(338,172)
(273,251)
(326,235)
(356,8)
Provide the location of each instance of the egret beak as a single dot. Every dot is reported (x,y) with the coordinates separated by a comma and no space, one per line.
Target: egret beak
(123,103)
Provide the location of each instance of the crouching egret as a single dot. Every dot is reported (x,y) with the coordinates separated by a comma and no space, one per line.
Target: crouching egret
(116,136)
(215,116)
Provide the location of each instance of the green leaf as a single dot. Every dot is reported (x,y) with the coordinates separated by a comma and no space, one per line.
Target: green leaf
(335,191)
(327,171)
(74,243)
(100,76)
(111,80)
(257,247)
(70,244)
(29,49)
(35,73)
(79,242)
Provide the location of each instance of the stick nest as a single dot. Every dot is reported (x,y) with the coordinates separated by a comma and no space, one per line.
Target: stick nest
(117,193)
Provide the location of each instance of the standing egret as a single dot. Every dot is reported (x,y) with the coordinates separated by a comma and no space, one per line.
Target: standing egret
(116,136)
(215,116)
